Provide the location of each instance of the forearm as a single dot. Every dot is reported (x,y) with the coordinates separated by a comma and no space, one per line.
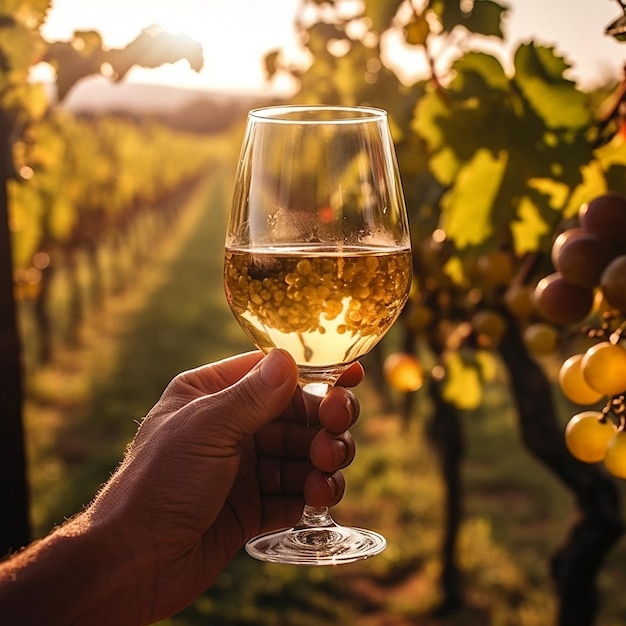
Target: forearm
(80,574)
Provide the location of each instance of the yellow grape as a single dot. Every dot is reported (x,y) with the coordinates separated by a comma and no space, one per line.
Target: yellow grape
(615,456)
(587,437)
(573,383)
(403,372)
(495,268)
(604,368)
(489,326)
(519,300)
(541,338)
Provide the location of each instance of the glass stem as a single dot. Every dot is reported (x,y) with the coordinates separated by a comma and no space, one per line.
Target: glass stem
(313,517)
(316,517)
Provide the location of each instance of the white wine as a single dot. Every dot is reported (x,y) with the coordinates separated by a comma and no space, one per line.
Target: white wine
(325,306)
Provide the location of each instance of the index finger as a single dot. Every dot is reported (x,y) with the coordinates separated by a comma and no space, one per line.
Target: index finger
(352,376)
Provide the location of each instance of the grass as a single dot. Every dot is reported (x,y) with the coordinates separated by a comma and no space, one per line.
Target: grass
(83,410)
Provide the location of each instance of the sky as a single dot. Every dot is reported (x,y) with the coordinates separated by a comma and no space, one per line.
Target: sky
(235,34)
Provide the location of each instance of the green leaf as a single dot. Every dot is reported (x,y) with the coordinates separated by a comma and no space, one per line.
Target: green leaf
(485,17)
(478,73)
(539,76)
(467,208)
(529,228)
(381,12)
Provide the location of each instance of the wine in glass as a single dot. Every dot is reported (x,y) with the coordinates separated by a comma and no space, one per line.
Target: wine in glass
(317,262)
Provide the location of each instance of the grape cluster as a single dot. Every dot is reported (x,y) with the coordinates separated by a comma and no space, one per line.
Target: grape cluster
(587,378)
(590,267)
(587,257)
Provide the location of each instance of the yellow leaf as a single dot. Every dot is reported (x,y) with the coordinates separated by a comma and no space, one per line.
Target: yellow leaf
(461,386)
(454,269)
(612,152)
(594,184)
(555,190)
(488,365)
(529,228)
(467,208)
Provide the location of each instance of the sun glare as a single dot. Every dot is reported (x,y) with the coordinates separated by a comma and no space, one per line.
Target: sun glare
(234,35)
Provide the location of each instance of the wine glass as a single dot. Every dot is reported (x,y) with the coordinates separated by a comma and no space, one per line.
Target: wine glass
(317,262)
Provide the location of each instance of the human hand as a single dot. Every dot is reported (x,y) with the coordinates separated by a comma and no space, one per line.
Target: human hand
(220,458)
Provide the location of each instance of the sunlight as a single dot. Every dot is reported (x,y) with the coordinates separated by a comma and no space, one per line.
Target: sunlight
(234,35)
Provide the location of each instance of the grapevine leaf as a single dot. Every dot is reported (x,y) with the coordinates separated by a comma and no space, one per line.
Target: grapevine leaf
(468,206)
(151,48)
(593,184)
(478,74)
(455,269)
(448,12)
(429,113)
(554,190)
(529,228)
(381,12)
(612,152)
(488,365)
(461,386)
(25,211)
(62,218)
(445,166)
(485,17)
(539,76)
(417,30)
(271,63)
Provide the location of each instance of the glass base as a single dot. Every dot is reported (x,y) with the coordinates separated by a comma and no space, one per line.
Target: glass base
(329,545)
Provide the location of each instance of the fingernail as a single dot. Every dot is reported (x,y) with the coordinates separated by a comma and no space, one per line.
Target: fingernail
(273,369)
(339,451)
(351,411)
(330,481)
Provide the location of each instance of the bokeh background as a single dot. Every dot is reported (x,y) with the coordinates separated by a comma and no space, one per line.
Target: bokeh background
(123,123)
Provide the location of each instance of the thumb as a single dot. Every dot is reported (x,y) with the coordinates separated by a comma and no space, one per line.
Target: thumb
(259,396)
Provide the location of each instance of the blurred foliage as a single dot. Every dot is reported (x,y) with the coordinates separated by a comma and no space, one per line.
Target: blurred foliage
(493,159)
